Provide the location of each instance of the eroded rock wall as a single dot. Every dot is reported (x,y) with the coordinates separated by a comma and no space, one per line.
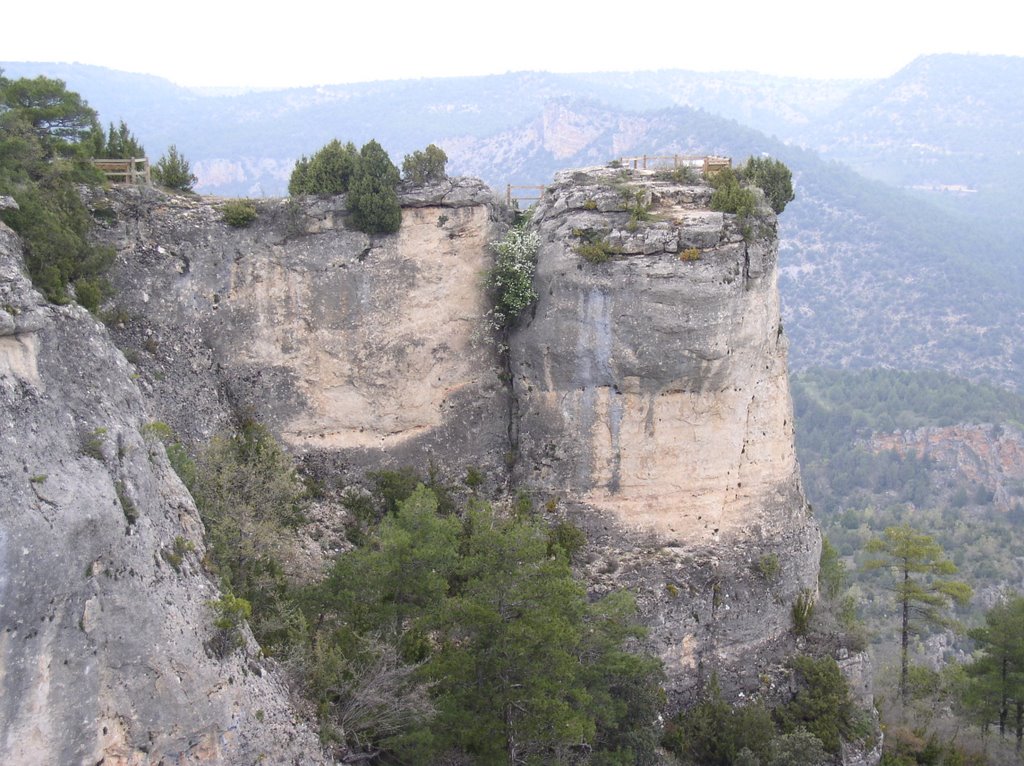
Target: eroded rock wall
(102,639)
(370,349)
(653,397)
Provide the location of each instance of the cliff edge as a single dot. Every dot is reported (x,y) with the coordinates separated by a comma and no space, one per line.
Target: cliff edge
(652,396)
(105,619)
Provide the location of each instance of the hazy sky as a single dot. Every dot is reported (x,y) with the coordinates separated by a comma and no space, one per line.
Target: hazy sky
(302,43)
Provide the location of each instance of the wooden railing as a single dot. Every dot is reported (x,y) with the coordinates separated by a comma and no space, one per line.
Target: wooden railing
(516,197)
(131,171)
(708,164)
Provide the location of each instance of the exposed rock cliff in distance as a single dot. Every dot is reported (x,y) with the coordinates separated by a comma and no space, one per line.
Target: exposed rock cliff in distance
(102,637)
(990,457)
(653,397)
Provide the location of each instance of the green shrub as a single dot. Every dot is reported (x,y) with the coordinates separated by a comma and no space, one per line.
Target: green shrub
(238,212)
(474,477)
(773,178)
(372,197)
(230,614)
(511,279)
(54,226)
(176,555)
(598,251)
(713,733)
(821,704)
(768,566)
(395,487)
(330,171)
(638,207)
(730,197)
(422,167)
(803,611)
(683,174)
(180,460)
(131,513)
(689,254)
(92,444)
(567,537)
(173,171)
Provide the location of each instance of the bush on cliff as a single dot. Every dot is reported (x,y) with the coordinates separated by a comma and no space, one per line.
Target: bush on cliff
(424,167)
(773,178)
(328,172)
(368,176)
(174,171)
(511,279)
(730,197)
(372,196)
(47,135)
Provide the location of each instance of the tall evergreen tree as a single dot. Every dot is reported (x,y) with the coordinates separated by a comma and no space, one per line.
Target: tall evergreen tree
(122,144)
(997,675)
(920,583)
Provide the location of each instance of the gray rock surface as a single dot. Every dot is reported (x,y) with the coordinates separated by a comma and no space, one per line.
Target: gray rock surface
(358,351)
(652,395)
(102,640)
(648,402)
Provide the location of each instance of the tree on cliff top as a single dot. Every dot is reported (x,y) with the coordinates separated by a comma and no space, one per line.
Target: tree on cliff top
(920,583)
(426,166)
(121,144)
(773,178)
(47,134)
(60,119)
(372,198)
(173,171)
(329,171)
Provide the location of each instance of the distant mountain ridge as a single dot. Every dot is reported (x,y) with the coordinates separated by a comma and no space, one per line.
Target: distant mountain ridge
(870,275)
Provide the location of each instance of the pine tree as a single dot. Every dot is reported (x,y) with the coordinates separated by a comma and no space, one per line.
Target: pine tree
(422,167)
(121,144)
(173,171)
(921,586)
(372,198)
(329,171)
(997,675)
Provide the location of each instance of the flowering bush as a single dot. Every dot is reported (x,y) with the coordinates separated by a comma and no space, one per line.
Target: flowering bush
(511,279)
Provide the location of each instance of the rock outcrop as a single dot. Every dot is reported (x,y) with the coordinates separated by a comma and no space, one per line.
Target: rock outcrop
(104,614)
(991,457)
(645,398)
(369,350)
(652,389)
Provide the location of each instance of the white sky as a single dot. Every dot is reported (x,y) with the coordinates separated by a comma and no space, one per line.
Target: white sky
(281,44)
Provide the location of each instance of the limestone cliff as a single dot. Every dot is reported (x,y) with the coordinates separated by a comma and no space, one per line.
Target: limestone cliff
(648,394)
(985,456)
(103,601)
(652,389)
(368,350)
(645,397)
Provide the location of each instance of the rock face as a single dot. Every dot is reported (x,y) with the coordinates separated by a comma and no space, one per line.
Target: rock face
(652,388)
(367,349)
(102,638)
(989,456)
(645,399)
